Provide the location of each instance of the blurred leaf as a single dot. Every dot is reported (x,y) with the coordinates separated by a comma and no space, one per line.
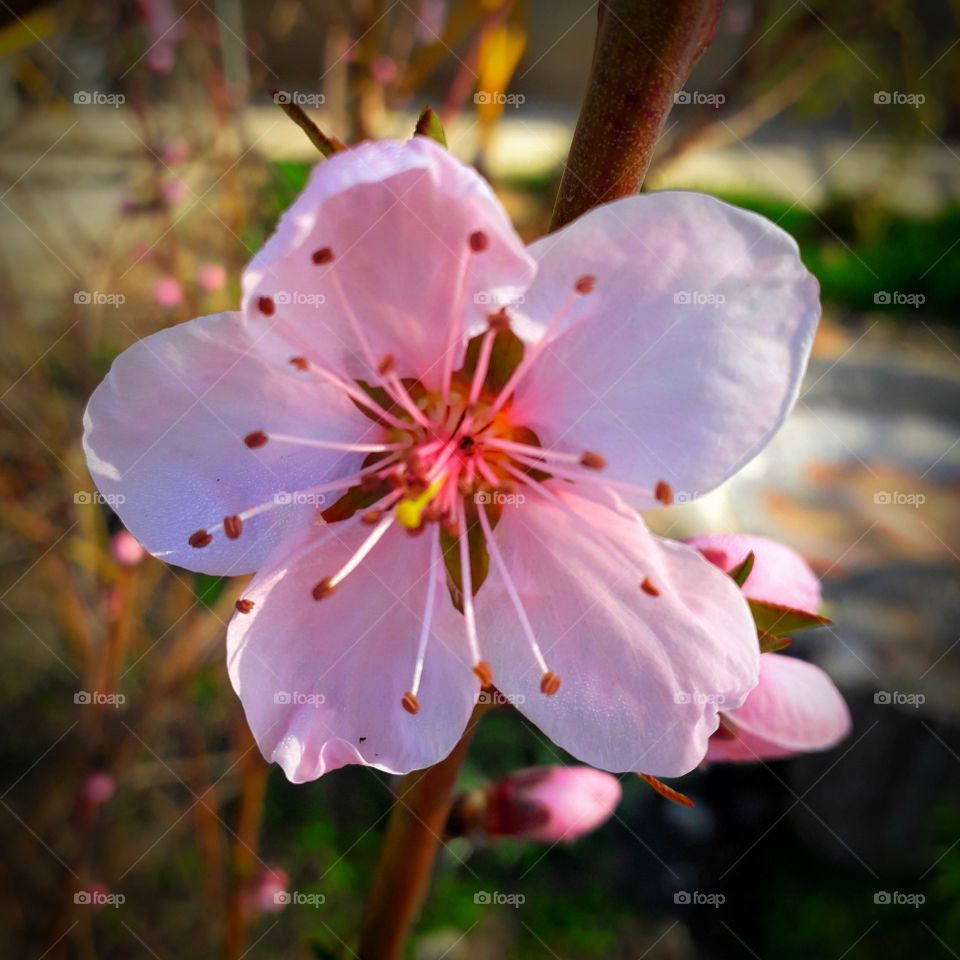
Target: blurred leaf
(208,588)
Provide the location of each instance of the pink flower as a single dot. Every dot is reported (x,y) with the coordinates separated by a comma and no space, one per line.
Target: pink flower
(346,375)
(98,788)
(795,707)
(550,804)
(168,292)
(268,891)
(212,277)
(125,549)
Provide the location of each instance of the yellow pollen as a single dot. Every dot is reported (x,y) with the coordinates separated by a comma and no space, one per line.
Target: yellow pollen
(409,511)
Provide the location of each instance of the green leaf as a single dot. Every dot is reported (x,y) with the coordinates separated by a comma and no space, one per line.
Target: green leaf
(742,570)
(778,620)
(429,125)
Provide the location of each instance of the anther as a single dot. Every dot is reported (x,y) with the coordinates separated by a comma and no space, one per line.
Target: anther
(199,539)
(479,241)
(323,589)
(371,517)
(550,683)
(386,364)
(322,256)
(585,284)
(648,587)
(256,439)
(410,703)
(243,605)
(592,461)
(451,529)
(663,492)
(483,673)
(300,363)
(499,320)
(267,306)
(233,526)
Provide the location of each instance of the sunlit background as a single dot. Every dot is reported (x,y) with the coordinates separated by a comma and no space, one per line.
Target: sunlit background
(145,159)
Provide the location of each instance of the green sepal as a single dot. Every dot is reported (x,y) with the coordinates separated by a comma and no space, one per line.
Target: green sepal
(770,644)
(505,356)
(429,125)
(477,549)
(743,570)
(778,620)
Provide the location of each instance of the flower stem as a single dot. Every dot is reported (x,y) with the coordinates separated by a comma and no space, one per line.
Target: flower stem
(414,834)
(644,51)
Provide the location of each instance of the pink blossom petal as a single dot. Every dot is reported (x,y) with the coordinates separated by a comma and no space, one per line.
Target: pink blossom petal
(322,681)
(212,276)
(795,708)
(685,392)
(163,435)
(397,218)
(779,574)
(642,676)
(551,804)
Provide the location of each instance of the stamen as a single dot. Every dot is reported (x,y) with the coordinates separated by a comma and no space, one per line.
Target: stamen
(483,364)
(410,703)
(322,256)
(663,492)
(529,461)
(199,539)
(648,587)
(592,461)
(301,363)
(233,526)
(554,683)
(427,618)
(266,306)
(243,605)
(326,586)
(479,241)
(387,363)
(256,439)
(466,582)
(483,673)
(585,284)
(338,445)
(588,458)
(549,683)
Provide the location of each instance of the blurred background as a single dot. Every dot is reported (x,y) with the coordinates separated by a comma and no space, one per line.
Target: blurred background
(145,159)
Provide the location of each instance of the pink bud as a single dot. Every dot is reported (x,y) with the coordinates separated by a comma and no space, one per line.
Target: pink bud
(268,890)
(550,804)
(125,549)
(98,788)
(174,190)
(212,276)
(383,70)
(174,151)
(168,292)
